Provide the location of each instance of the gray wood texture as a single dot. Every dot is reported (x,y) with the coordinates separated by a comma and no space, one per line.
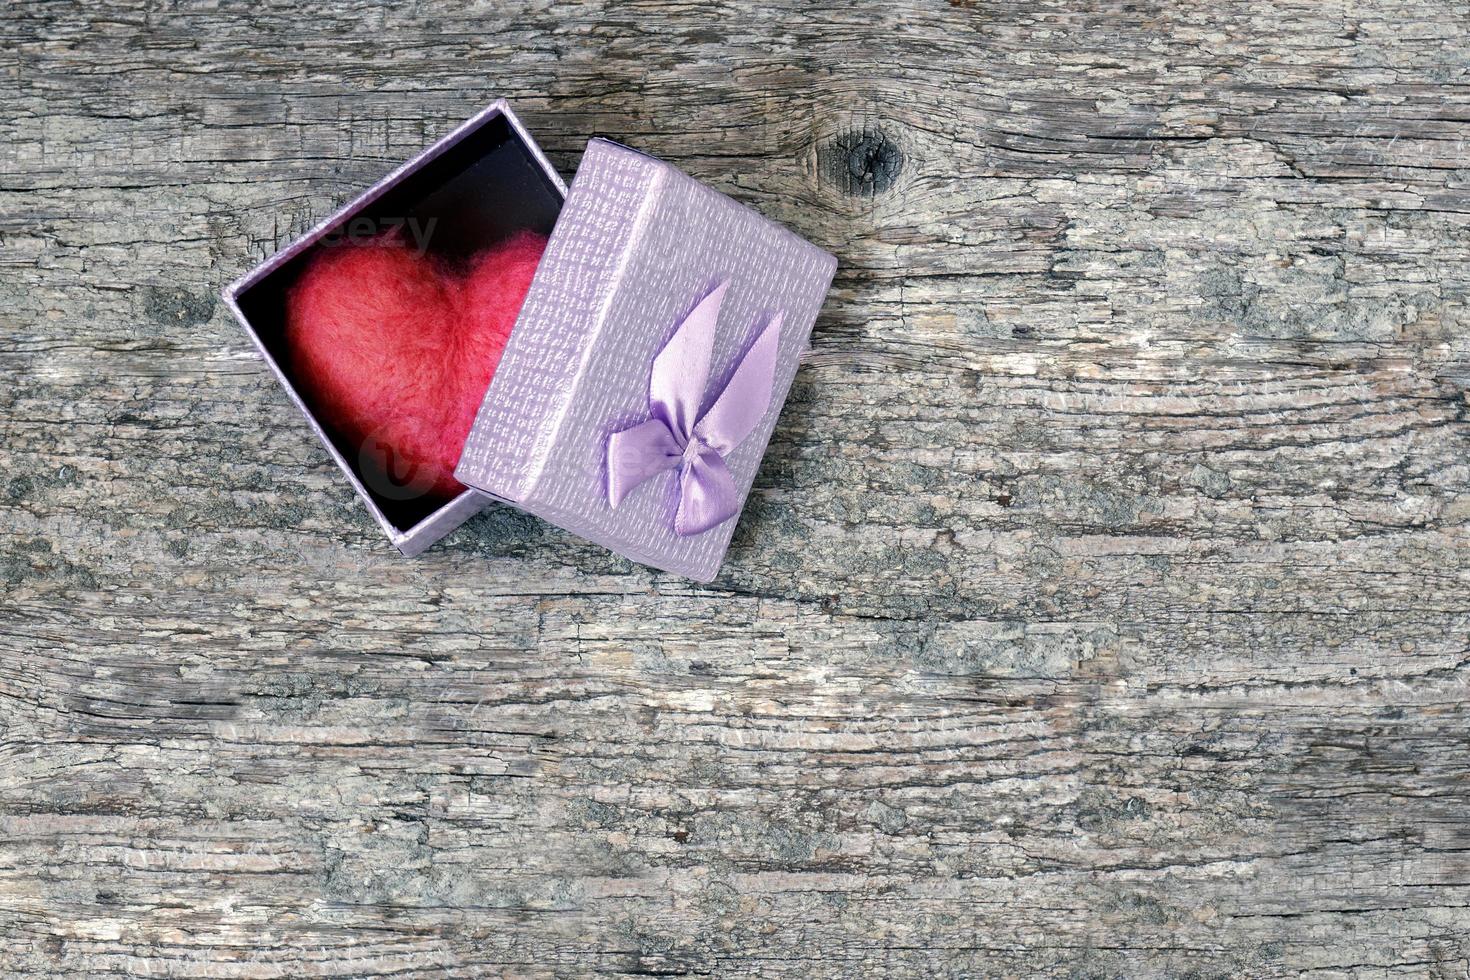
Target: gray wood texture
(1102,608)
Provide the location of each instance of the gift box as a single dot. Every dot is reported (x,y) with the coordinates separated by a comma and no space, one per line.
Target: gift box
(645,372)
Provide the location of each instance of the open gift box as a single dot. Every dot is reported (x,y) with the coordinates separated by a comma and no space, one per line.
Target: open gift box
(646,369)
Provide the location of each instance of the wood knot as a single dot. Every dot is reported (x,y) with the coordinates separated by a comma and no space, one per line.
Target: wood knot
(861,162)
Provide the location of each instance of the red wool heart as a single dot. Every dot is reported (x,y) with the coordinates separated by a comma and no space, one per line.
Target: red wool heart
(394,351)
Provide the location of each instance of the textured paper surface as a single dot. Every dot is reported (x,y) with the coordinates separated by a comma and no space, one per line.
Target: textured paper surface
(638,244)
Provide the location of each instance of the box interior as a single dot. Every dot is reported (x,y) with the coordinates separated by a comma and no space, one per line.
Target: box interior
(482,189)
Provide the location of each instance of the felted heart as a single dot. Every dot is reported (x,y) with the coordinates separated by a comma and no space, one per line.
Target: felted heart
(394,350)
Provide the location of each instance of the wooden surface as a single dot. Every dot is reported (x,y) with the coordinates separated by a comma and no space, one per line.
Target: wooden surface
(1102,608)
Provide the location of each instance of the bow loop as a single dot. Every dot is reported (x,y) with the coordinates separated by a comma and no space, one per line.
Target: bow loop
(707,494)
(638,454)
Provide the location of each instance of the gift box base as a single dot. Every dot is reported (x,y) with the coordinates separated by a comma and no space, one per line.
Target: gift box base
(480,184)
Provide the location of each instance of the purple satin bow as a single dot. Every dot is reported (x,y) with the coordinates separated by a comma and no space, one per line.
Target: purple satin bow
(678,436)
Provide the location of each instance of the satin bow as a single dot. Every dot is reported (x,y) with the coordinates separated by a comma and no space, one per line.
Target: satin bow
(678,436)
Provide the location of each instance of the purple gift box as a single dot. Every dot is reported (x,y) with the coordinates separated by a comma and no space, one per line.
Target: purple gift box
(649,363)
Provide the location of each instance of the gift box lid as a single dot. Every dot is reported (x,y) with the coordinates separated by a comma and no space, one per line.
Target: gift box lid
(651,358)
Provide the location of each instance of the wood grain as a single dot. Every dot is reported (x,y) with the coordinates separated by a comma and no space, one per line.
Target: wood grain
(1102,608)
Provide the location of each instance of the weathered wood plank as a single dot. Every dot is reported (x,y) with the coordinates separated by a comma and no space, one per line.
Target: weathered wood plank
(1102,608)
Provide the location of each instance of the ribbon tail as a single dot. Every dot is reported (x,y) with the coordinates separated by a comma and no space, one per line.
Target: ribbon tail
(681,369)
(747,394)
(707,495)
(636,455)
